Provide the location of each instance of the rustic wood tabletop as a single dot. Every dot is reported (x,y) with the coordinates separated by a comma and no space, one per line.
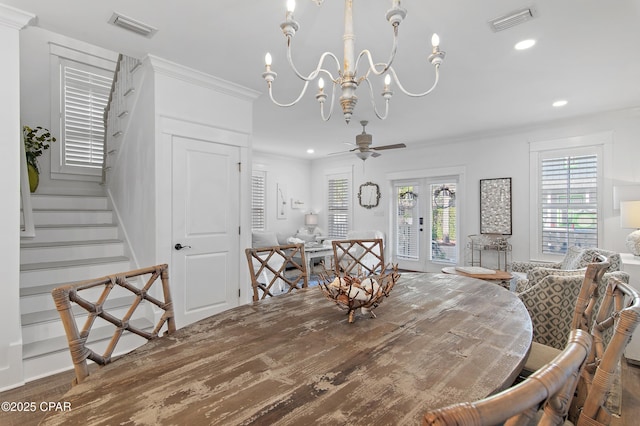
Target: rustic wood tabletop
(294,359)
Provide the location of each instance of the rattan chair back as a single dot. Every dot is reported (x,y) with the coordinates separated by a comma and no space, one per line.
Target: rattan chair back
(70,299)
(358,257)
(271,267)
(551,387)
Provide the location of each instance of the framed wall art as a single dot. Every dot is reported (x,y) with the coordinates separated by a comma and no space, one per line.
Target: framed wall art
(495,206)
(369,195)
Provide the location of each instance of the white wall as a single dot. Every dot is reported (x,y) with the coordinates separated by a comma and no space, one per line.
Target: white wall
(11,21)
(131,178)
(202,101)
(295,175)
(496,156)
(35,86)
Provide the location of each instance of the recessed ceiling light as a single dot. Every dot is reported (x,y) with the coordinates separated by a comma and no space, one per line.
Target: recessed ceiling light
(310,151)
(560,103)
(525,44)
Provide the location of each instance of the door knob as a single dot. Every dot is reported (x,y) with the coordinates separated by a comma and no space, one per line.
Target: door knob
(180,246)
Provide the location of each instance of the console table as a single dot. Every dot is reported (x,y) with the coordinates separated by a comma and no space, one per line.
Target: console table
(496,243)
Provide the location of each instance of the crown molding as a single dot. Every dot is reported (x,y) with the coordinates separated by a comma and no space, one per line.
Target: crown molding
(15,18)
(190,75)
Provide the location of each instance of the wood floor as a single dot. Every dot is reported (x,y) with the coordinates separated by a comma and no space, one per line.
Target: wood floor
(53,388)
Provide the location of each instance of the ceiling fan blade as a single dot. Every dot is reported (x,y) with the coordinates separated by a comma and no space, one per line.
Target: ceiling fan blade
(394,146)
(375,154)
(339,152)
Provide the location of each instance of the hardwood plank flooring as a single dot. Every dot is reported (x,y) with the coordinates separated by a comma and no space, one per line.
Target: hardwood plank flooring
(53,388)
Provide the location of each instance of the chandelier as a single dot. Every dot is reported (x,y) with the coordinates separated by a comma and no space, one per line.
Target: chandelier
(346,75)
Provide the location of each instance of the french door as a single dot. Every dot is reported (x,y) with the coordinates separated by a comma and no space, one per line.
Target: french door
(425,223)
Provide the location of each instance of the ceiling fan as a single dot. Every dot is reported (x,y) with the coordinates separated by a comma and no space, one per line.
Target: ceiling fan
(363,147)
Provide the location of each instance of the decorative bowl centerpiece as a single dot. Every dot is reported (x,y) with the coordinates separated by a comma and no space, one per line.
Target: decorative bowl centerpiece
(351,292)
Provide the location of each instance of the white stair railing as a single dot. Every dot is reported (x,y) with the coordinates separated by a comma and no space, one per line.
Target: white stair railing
(117,110)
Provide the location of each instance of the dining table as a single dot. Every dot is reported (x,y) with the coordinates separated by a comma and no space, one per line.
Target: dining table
(294,359)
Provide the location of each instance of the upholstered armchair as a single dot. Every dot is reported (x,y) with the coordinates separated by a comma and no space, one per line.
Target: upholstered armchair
(551,303)
(527,274)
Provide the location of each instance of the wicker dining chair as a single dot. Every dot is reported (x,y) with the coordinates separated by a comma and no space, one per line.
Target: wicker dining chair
(272,267)
(73,299)
(358,256)
(598,400)
(551,388)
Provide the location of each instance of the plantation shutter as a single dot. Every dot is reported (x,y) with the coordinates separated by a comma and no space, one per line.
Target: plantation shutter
(407,221)
(569,202)
(258,201)
(338,207)
(86,94)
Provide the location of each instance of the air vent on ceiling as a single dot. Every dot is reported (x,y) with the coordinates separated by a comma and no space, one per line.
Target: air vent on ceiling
(130,24)
(512,19)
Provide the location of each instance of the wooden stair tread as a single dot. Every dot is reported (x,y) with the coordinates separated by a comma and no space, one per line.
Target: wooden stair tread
(72,263)
(68,243)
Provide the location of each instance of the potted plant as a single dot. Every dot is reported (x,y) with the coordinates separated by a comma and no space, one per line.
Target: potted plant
(36,141)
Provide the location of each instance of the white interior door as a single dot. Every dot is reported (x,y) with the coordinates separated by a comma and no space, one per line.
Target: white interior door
(205,198)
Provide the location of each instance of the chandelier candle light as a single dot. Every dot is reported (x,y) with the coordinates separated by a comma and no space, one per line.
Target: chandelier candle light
(347,72)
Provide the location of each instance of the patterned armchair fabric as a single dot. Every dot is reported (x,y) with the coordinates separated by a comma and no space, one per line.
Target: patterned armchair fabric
(574,262)
(551,304)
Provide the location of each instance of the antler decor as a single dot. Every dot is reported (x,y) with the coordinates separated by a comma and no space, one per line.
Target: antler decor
(359,291)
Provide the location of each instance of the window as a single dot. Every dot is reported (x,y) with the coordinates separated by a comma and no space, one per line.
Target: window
(569,202)
(84,98)
(566,193)
(338,205)
(81,84)
(258,209)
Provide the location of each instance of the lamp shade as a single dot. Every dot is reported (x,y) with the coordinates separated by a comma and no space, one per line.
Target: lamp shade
(311,219)
(630,218)
(630,214)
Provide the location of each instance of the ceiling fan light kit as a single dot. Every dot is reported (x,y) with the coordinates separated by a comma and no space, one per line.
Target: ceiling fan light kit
(346,75)
(364,150)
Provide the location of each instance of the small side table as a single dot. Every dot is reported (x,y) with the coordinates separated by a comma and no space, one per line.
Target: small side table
(502,278)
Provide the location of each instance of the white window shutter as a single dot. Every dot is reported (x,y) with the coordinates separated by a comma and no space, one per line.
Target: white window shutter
(85,97)
(258,196)
(569,202)
(338,207)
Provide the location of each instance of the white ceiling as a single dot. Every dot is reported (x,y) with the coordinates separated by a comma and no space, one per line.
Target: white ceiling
(587,51)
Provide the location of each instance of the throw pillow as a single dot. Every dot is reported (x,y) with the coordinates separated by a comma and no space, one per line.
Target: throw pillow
(572,258)
(264,239)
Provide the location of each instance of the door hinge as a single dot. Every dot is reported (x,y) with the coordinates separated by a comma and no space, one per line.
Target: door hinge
(239,232)
(240,167)
(238,292)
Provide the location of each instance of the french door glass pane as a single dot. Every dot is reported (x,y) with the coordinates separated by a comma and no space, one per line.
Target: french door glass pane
(407,220)
(443,222)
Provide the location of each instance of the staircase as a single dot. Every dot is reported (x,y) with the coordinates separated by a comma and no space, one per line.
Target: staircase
(76,239)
